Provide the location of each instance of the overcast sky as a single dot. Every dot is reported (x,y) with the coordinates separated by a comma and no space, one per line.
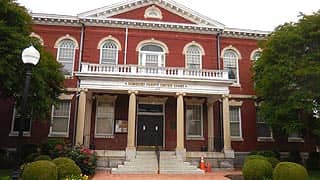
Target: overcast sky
(245,14)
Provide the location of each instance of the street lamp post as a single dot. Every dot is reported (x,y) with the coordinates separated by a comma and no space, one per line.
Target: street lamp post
(30,57)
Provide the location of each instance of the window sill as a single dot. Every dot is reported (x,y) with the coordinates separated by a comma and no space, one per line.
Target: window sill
(295,139)
(104,136)
(235,85)
(25,134)
(236,139)
(265,139)
(58,135)
(195,138)
(68,77)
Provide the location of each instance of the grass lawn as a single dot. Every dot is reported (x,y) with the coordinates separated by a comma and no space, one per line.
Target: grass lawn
(314,175)
(5,172)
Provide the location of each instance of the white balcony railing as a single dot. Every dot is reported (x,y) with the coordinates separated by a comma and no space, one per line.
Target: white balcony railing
(129,70)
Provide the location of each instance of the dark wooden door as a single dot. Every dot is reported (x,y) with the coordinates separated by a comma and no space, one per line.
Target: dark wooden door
(150,130)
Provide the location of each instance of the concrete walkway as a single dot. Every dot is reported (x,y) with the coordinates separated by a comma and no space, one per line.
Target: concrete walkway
(101,175)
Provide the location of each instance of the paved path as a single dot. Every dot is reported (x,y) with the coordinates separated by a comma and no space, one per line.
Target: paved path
(212,175)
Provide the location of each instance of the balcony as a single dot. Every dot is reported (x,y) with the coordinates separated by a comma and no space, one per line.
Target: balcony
(152,72)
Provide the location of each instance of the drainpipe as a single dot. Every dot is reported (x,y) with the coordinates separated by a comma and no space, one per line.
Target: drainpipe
(218,50)
(126,46)
(78,85)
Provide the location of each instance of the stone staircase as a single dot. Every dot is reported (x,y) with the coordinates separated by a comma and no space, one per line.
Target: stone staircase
(145,162)
(170,164)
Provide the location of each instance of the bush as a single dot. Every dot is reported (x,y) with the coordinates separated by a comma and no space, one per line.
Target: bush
(78,177)
(54,147)
(40,170)
(7,159)
(294,156)
(257,169)
(264,153)
(42,157)
(313,161)
(289,171)
(251,157)
(85,159)
(273,161)
(28,149)
(66,167)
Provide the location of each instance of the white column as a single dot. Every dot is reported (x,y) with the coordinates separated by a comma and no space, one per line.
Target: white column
(87,122)
(81,117)
(210,126)
(226,128)
(131,148)
(180,150)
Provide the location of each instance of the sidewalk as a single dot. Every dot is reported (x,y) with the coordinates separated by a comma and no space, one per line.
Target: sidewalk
(101,175)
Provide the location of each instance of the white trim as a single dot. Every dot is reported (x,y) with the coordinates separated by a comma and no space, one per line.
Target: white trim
(110,37)
(57,45)
(153,8)
(240,137)
(153,42)
(295,139)
(16,133)
(67,36)
(195,137)
(253,53)
(235,103)
(194,44)
(35,35)
(108,99)
(60,134)
(237,52)
(230,47)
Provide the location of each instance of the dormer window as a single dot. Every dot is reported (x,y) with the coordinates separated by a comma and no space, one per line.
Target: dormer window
(153,12)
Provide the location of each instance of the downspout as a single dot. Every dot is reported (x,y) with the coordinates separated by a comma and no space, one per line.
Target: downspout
(218,50)
(126,47)
(78,85)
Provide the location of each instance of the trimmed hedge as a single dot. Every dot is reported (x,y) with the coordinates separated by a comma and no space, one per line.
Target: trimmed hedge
(40,170)
(257,169)
(66,167)
(42,157)
(251,157)
(290,171)
(273,161)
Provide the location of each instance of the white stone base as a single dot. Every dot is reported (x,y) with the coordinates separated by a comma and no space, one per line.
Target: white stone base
(181,154)
(228,153)
(130,153)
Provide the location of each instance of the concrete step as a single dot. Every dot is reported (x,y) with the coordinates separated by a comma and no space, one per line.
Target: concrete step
(128,171)
(181,172)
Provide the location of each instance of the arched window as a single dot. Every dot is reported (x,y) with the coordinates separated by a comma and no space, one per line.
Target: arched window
(66,54)
(193,57)
(230,63)
(109,52)
(255,55)
(152,55)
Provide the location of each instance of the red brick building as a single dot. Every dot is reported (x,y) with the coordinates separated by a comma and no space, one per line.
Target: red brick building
(149,73)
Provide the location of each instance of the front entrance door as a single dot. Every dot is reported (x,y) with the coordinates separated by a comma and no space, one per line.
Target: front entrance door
(150,130)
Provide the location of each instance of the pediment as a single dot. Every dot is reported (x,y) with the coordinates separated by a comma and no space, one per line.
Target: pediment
(148,10)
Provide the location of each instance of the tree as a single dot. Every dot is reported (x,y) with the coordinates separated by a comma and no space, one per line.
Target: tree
(46,80)
(287,76)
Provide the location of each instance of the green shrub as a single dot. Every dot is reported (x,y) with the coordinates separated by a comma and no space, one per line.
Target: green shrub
(54,147)
(66,167)
(28,149)
(40,170)
(5,178)
(264,153)
(85,159)
(313,161)
(251,157)
(31,157)
(257,169)
(42,157)
(290,171)
(78,177)
(273,161)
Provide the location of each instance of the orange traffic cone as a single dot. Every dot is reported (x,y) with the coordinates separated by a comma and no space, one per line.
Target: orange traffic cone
(202,165)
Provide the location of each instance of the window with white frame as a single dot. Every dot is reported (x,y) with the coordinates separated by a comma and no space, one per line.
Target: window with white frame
(109,52)
(193,57)
(66,55)
(235,122)
(152,55)
(60,118)
(230,62)
(104,125)
(16,118)
(256,55)
(153,12)
(295,137)
(194,120)
(263,130)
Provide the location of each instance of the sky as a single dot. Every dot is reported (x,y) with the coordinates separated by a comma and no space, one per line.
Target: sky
(245,14)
